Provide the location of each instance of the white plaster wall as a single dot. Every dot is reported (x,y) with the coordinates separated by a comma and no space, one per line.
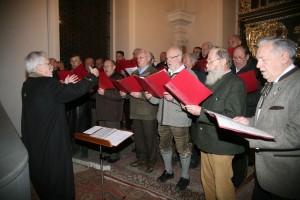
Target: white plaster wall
(135,23)
(148,27)
(23,29)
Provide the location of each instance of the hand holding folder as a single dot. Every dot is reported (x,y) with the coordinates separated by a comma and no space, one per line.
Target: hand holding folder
(105,82)
(154,84)
(228,123)
(187,88)
(128,84)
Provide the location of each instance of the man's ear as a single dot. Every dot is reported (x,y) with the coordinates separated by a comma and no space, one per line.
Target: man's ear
(285,57)
(223,61)
(38,68)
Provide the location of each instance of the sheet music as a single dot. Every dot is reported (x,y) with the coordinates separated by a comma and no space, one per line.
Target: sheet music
(114,136)
(103,132)
(130,70)
(118,136)
(228,123)
(92,130)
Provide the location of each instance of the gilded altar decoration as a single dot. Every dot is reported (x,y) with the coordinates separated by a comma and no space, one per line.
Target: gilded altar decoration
(245,6)
(297,37)
(266,29)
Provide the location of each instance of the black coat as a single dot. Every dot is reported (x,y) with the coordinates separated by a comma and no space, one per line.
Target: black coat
(253,97)
(45,133)
(109,107)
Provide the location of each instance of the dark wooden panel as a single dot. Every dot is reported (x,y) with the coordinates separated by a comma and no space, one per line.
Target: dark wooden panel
(84,28)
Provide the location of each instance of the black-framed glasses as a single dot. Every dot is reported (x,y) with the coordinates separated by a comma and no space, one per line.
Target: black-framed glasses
(172,57)
(211,61)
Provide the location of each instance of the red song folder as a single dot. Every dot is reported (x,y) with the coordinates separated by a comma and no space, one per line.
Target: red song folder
(187,88)
(128,84)
(105,82)
(154,84)
(63,74)
(80,71)
(250,81)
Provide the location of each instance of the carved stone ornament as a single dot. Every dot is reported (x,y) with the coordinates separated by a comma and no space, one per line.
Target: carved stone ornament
(266,29)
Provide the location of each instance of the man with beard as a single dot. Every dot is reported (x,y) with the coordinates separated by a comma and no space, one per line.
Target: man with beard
(218,146)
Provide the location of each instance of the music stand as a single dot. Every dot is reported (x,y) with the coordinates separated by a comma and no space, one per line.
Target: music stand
(102,142)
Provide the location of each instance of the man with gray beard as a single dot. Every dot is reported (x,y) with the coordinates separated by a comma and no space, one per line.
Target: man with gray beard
(218,146)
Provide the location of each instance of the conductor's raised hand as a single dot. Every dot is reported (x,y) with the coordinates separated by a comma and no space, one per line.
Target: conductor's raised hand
(71,79)
(94,71)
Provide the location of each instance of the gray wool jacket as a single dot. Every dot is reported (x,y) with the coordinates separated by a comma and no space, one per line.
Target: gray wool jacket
(171,113)
(277,162)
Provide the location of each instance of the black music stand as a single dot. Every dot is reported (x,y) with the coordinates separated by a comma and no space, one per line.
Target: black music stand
(101,142)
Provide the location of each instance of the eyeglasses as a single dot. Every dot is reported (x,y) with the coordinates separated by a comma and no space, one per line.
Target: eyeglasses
(172,57)
(239,58)
(141,57)
(211,61)
(108,65)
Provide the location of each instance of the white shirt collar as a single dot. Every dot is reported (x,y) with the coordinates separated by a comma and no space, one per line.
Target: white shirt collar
(176,71)
(292,66)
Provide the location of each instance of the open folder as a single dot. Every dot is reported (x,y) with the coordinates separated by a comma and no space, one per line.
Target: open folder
(130,70)
(112,135)
(227,123)
(250,81)
(128,84)
(105,82)
(187,88)
(154,84)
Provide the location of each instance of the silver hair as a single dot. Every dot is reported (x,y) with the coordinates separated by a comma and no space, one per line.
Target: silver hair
(281,44)
(192,57)
(177,49)
(209,44)
(146,53)
(33,59)
(223,53)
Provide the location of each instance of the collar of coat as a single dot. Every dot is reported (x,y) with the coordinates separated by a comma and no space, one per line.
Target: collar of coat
(34,75)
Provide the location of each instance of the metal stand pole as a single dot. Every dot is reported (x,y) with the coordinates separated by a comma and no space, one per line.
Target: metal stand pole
(102,175)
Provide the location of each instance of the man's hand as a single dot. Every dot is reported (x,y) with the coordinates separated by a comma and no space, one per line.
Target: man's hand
(168,96)
(94,71)
(71,79)
(123,94)
(241,120)
(137,95)
(101,91)
(148,95)
(193,109)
